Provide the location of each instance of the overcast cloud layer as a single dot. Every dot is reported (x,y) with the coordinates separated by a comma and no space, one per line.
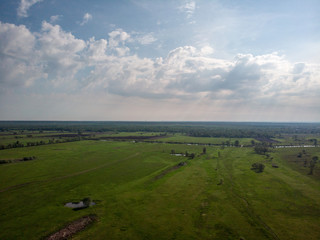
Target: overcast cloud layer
(52,74)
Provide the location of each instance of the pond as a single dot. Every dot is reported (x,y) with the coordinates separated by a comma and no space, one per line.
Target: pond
(294,146)
(78,204)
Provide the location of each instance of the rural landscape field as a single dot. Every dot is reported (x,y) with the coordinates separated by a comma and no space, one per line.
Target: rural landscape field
(159,120)
(174,180)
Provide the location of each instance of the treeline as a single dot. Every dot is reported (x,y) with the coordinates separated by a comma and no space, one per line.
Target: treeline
(4,161)
(195,129)
(18,144)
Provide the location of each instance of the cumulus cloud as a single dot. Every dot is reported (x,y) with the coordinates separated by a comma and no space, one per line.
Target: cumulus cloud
(86,18)
(118,37)
(97,50)
(108,65)
(20,65)
(59,52)
(207,50)
(24,7)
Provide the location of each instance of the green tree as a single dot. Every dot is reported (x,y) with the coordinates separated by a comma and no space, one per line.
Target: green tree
(257,167)
(313,164)
(260,149)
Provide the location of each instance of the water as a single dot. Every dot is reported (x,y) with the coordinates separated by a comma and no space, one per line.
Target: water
(78,204)
(295,146)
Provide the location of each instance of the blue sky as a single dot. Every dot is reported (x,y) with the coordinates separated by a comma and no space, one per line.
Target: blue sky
(181,60)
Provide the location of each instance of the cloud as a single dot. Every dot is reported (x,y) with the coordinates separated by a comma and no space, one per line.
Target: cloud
(188,8)
(86,18)
(117,41)
(20,65)
(97,50)
(24,6)
(65,63)
(55,18)
(146,39)
(207,50)
(59,52)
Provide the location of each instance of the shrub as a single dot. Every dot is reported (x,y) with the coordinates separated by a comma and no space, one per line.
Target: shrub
(86,201)
(257,167)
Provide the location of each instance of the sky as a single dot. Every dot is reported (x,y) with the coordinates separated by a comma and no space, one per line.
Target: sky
(168,60)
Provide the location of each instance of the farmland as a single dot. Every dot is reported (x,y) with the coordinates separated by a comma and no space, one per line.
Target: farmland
(142,191)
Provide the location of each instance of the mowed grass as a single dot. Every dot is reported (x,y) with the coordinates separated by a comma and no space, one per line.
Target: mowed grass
(215,196)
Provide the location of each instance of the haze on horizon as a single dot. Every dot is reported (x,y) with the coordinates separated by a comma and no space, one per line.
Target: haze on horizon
(139,60)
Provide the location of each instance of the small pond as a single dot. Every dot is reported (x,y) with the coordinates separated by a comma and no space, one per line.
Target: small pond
(78,204)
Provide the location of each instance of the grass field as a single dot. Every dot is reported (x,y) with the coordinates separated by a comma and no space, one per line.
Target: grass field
(205,140)
(215,196)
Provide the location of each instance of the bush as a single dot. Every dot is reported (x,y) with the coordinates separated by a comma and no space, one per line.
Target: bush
(86,201)
(257,167)
(260,149)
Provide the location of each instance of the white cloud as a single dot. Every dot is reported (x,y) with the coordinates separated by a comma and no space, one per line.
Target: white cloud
(188,8)
(20,65)
(24,7)
(55,18)
(146,39)
(207,50)
(86,18)
(60,52)
(107,65)
(97,49)
(118,38)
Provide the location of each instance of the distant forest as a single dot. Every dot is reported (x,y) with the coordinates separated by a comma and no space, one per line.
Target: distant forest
(195,129)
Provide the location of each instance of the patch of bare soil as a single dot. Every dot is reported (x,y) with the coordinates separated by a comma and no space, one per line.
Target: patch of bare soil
(168,170)
(73,228)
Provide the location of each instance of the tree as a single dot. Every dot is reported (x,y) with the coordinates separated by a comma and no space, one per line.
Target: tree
(257,167)
(260,149)
(313,164)
(236,143)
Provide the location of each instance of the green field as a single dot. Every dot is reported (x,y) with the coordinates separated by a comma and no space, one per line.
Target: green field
(215,196)
(205,140)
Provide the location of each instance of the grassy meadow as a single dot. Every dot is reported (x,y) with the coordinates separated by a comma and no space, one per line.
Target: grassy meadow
(215,196)
(180,138)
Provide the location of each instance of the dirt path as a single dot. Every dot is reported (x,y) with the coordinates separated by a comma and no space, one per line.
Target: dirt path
(168,170)
(66,176)
(72,228)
